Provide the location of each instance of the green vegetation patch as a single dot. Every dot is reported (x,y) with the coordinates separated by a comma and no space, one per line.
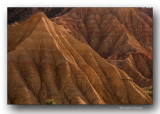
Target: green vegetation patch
(149,90)
(50,101)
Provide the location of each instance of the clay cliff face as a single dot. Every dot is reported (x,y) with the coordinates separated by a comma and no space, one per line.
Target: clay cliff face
(118,35)
(46,62)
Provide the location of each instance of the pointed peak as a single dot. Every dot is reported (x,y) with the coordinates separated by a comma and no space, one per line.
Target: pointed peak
(39,15)
(34,19)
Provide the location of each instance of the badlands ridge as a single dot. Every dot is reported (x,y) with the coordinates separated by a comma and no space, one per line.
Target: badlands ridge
(86,56)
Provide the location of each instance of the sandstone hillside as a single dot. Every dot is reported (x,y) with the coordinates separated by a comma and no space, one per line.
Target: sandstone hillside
(45,61)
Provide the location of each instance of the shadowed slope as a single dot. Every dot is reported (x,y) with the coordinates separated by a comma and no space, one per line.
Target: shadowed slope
(46,62)
(21,14)
(137,65)
(112,31)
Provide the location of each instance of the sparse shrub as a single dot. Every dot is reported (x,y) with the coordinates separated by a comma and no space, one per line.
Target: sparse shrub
(150,93)
(50,101)
(149,90)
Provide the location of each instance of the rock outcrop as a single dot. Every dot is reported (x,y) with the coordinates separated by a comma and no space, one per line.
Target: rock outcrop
(46,62)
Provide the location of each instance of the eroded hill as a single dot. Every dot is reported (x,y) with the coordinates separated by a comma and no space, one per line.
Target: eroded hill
(46,62)
(116,34)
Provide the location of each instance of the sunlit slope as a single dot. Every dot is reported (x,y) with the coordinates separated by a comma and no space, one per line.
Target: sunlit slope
(46,62)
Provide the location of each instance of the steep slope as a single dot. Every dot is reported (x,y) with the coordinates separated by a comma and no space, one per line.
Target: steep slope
(137,65)
(112,30)
(45,61)
(95,25)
